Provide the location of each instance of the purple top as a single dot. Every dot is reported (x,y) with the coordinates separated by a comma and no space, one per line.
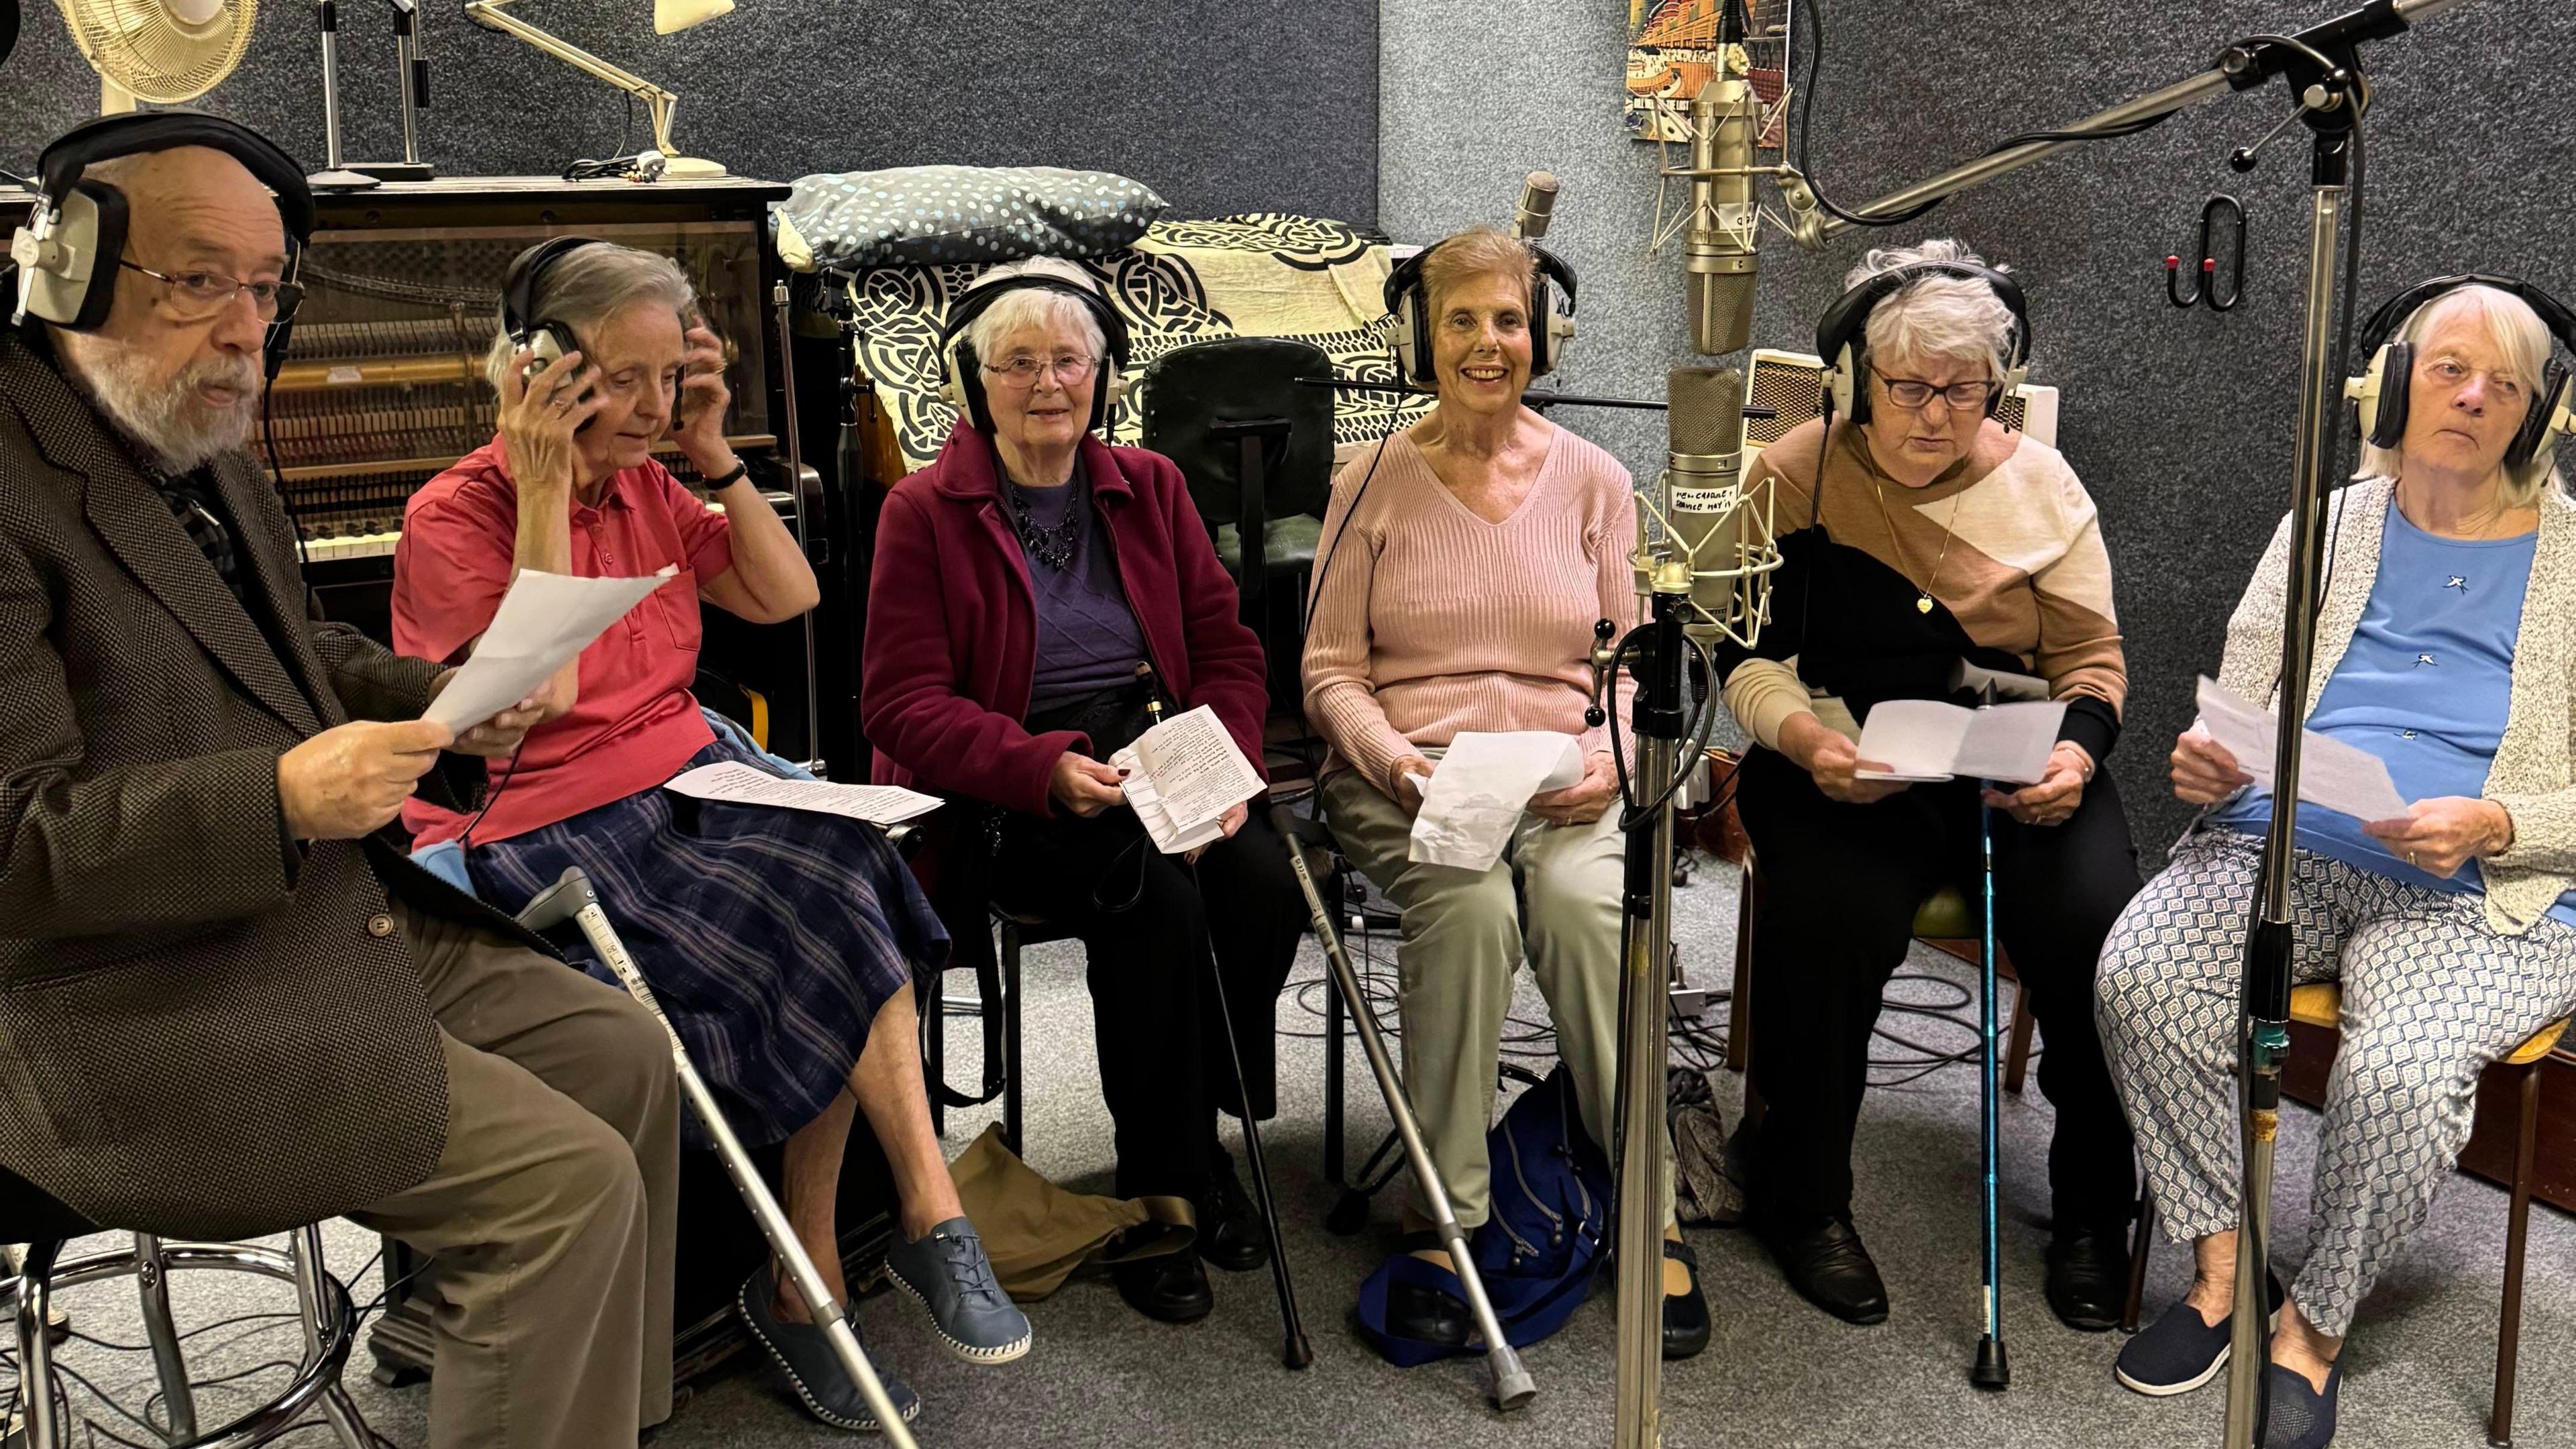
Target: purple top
(1088,639)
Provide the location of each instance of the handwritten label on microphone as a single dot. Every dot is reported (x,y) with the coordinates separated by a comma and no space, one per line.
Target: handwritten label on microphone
(1707,500)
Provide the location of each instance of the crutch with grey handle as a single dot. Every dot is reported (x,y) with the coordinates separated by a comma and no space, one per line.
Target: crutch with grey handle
(1512,1386)
(570,898)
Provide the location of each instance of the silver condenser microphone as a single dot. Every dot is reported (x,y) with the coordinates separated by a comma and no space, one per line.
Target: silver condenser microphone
(1722,536)
(1537,208)
(1718,254)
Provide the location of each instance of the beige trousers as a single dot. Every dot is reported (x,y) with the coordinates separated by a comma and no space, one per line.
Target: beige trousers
(1553,899)
(552,1212)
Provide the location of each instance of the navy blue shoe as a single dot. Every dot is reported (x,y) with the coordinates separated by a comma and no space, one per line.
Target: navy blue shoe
(2178,1353)
(2296,1416)
(804,1356)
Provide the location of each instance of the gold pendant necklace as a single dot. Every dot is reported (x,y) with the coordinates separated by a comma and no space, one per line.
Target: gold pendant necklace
(1923,596)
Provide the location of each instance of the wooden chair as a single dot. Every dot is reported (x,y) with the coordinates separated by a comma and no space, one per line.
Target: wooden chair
(2321,1005)
(1947,920)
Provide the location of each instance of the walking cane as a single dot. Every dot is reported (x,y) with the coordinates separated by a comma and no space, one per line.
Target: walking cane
(571,898)
(1294,1352)
(1992,1371)
(1511,1383)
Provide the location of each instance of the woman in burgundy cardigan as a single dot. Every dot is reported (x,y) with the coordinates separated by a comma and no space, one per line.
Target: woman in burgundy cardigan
(1032,587)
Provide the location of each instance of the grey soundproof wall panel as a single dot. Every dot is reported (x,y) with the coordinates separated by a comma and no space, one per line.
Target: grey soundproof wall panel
(1219,105)
(2180,423)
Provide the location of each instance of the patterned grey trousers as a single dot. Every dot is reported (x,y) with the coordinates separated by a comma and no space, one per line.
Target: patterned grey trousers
(2431,995)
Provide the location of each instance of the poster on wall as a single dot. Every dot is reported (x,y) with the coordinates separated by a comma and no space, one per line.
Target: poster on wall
(1672,52)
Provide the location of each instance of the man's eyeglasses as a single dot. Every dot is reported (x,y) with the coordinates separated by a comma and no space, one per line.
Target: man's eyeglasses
(196,296)
(1071,369)
(1909,392)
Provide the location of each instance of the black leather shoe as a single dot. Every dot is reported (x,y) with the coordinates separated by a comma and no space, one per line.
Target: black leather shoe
(2088,1279)
(1823,1259)
(1230,1232)
(1685,1314)
(1172,1287)
(1427,1314)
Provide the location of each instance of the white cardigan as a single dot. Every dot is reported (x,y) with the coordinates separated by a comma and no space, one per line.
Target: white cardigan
(2534,775)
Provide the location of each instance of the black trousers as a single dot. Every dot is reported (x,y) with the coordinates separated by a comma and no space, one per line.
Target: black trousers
(1150,925)
(1840,886)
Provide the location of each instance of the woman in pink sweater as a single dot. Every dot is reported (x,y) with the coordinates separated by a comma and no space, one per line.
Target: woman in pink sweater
(1467,560)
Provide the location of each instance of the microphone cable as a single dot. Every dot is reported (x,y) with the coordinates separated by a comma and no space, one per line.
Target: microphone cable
(1806,111)
(277,476)
(465,837)
(2332,443)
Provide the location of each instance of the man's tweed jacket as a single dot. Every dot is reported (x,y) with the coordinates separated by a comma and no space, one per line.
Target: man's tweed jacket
(203,1031)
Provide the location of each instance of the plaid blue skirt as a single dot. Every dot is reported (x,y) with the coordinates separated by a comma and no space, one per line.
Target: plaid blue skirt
(770,936)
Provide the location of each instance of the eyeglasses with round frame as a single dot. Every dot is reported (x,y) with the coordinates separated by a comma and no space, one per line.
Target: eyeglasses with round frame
(196,296)
(1071,369)
(1913,393)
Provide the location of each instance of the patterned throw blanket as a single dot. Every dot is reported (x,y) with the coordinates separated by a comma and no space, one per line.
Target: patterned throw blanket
(1262,274)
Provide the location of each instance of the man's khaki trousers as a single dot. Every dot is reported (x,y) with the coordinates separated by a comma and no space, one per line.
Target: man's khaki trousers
(551,1214)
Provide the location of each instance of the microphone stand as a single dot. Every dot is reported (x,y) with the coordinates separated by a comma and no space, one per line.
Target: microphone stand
(413,69)
(335,174)
(2323,64)
(1638,1149)
(1656,653)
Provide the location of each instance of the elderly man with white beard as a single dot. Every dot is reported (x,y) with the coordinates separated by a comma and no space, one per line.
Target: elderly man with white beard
(227,1005)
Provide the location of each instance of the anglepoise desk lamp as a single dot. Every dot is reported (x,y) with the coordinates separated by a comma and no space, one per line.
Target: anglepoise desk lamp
(669,16)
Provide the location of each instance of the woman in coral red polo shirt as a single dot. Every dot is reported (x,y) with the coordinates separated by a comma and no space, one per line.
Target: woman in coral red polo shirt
(781,943)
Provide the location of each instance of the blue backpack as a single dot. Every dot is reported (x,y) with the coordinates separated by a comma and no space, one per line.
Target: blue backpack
(1540,1249)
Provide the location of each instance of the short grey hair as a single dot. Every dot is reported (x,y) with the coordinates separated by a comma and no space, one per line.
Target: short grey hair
(2523,338)
(1936,314)
(1038,308)
(588,286)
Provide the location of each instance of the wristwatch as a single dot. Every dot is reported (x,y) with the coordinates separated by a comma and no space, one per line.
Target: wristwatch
(741,470)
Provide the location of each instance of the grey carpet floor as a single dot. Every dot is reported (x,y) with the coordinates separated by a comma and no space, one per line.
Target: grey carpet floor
(1779,1374)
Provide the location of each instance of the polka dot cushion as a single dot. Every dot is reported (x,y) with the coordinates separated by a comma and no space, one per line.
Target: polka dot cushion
(951,214)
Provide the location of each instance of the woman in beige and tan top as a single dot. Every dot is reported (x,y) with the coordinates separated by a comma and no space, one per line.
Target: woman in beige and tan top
(1919,536)
(1467,561)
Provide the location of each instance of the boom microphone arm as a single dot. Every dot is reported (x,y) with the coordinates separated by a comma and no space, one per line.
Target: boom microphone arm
(2241,67)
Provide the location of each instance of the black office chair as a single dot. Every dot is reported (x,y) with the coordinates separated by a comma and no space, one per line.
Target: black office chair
(1256,445)
(330,1323)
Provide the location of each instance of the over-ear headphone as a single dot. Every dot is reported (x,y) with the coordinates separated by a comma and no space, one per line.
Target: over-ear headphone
(1839,339)
(67,253)
(1551,313)
(962,383)
(2381,391)
(525,282)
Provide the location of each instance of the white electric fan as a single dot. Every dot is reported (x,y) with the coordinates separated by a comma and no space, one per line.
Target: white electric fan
(164,52)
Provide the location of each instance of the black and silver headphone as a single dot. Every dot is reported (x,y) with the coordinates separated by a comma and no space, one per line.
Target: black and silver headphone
(1840,341)
(1551,313)
(543,337)
(67,253)
(2381,391)
(962,381)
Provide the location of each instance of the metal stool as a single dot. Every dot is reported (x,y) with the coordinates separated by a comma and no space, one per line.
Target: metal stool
(330,1322)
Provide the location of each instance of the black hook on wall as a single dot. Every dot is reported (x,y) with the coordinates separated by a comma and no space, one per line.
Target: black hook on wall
(2205,291)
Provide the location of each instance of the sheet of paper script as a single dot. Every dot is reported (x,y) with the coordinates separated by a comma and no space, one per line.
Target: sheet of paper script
(1479,789)
(2332,773)
(1182,776)
(736,783)
(1924,739)
(543,622)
